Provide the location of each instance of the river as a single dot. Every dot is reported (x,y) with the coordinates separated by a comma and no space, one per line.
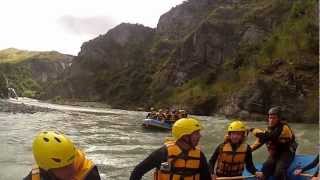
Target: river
(113,139)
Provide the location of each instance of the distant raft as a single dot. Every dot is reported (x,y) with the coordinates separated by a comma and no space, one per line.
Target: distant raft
(299,161)
(156,124)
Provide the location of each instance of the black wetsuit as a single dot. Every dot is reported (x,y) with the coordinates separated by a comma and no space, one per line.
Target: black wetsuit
(277,164)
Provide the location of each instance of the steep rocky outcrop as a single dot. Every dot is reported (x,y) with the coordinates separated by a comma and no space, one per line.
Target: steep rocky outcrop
(44,70)
(235,57)
(184,18)
(111,67)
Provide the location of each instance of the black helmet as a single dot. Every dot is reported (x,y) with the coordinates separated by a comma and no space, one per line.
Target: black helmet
(275,110)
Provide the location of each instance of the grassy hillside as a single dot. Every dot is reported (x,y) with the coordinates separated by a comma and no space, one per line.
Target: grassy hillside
(19,68)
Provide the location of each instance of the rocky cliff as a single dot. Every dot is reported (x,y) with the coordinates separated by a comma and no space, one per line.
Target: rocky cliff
(110,68)
(235,57)
(29,71)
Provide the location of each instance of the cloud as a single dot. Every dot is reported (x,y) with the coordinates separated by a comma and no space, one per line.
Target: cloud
(88,26)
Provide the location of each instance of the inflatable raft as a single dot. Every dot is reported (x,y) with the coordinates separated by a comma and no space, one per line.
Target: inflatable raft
(156,124)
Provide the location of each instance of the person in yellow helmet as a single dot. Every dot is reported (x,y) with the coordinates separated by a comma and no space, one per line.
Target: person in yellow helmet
(179,159)
(281,144)
(57,158)
(234,154)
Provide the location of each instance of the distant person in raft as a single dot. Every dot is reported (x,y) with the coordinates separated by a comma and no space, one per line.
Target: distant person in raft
(314,163)
(182,114)
(234,154)
(152,114)
(57,158)
(178,159)
(281,145)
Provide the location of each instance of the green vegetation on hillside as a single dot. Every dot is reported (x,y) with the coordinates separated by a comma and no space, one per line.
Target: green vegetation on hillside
(294,42)
(14,64)
(20,78)
(12,55)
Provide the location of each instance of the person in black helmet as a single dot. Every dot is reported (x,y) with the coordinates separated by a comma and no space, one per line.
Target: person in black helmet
(281,145)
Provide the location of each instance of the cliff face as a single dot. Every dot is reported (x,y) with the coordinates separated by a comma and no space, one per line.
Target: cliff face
(184,18)
(29,72)
(110,68)
(235,57)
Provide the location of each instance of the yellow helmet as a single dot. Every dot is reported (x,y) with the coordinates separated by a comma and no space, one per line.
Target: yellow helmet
(185,126)
(53,150)
(237,125)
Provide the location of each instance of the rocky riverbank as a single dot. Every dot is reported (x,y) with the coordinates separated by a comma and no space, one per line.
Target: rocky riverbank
(9,107)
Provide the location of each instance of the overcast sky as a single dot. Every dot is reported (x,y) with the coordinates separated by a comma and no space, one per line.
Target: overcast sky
(63,25)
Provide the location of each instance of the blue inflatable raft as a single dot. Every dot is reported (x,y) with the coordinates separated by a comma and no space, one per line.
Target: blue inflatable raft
(299,161)
(156,124)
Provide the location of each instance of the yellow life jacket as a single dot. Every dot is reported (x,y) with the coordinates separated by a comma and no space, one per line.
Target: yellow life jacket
(231,163)
(82,167)
(182,166)
(286,134)
(285,141)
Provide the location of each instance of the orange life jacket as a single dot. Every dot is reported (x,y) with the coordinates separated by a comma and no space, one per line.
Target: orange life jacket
(182,166)
(231,163)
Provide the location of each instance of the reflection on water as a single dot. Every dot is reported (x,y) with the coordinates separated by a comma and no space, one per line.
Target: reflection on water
(114,141)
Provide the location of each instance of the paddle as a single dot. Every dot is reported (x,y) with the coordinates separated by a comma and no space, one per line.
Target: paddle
(306,175)
(244,177)
(235,177)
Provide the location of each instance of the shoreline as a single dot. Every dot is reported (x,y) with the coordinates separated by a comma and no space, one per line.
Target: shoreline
(245,116)
(10,107)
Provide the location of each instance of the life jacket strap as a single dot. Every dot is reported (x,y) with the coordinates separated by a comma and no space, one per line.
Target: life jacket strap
(35,172)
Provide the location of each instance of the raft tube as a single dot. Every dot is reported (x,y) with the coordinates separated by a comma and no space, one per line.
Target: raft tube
(153,123)
(299,161)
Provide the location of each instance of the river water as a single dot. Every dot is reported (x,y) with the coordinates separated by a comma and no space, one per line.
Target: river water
(113,139)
